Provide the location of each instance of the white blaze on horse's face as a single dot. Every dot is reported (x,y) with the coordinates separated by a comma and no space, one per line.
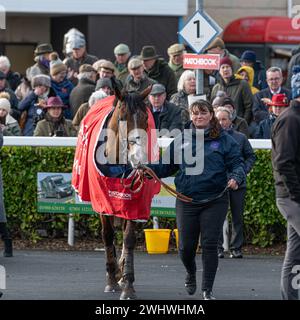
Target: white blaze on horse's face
(137,144)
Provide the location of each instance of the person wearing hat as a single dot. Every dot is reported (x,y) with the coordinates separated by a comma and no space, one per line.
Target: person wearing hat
(175,52)
(238,90)
(85,107)
(32,105)
(247,73)
(15,113)
(237,196)
(104,84)
(122,54)
(78,57)
(137,80)
(277,104)
(167,116)
(248,58)
(41,57)
(157,69)
(61,85)
(286,170)
(54,123)
(217,46)
(239,124)
(85,87)
(8,124)
(274,81)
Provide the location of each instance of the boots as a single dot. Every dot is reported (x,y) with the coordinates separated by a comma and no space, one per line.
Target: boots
(8,249)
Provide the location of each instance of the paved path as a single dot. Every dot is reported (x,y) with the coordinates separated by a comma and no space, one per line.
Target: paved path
(36,275)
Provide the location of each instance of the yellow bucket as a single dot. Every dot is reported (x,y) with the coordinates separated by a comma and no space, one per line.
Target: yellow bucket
(157,240)
(176,237)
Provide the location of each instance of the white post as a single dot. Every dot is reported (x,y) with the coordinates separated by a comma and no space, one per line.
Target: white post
(71,227)
(199,72)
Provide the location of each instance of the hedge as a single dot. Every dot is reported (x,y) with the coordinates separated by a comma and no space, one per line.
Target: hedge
(263,223)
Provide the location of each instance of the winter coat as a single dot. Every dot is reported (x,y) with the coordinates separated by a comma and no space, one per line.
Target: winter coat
(48,128)
(36,69)
(13,79)
(286,153)
(246,151)
(162,73)
(250,73)
(29,104)
(239,91)
(177,69)
(131,86)
(169,118)
(81,94)
(121,74)
(295,60)
(75,64)
(80,114)
(63,90)
(240,125)
(260,78)
(180,99)
(263,131)
(222,161)
(12,127)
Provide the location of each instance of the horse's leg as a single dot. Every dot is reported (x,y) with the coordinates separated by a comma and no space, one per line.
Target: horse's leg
(110,252)
(128,292)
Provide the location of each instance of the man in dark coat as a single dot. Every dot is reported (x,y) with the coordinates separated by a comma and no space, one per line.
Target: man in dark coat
(157,69)
(79,57)
(167,115)
(286,169)
(274,80)
(85,87)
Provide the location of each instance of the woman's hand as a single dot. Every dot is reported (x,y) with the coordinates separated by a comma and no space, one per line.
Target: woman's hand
(232,184)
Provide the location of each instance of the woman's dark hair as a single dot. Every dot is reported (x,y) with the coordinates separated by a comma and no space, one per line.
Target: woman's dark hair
(203,105)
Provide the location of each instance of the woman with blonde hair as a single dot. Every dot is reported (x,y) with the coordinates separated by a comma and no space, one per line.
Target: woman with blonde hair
(8,124)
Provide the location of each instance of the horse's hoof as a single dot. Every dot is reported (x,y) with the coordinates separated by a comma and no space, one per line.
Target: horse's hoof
(128,294)
(112,288)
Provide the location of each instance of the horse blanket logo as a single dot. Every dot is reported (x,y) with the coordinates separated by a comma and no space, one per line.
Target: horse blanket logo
(107,194)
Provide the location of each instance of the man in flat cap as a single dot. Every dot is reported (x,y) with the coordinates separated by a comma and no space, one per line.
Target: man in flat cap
(175,52)
(167,115)
(137,80)
(78,57)
(217,46)
(157,69)
(122,54)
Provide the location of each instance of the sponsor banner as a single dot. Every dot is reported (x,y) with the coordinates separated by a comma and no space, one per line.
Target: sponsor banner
(55,195)
(201,61)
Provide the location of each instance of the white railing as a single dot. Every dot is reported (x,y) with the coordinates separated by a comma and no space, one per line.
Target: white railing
(71,142)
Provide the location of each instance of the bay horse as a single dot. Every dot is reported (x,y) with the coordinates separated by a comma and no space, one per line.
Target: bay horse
(132,110)
(113,187)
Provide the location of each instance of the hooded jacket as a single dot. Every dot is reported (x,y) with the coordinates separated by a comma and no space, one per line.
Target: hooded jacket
(250,73)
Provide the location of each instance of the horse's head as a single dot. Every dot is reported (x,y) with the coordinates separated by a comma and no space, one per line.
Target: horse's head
(130,122)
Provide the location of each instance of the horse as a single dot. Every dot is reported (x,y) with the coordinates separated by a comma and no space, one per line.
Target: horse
(125,135)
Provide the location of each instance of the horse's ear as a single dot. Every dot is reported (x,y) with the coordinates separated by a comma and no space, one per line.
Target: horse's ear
(146,92)
(117,88)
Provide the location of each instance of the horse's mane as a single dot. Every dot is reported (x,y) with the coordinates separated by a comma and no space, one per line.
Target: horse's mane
(133,100)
